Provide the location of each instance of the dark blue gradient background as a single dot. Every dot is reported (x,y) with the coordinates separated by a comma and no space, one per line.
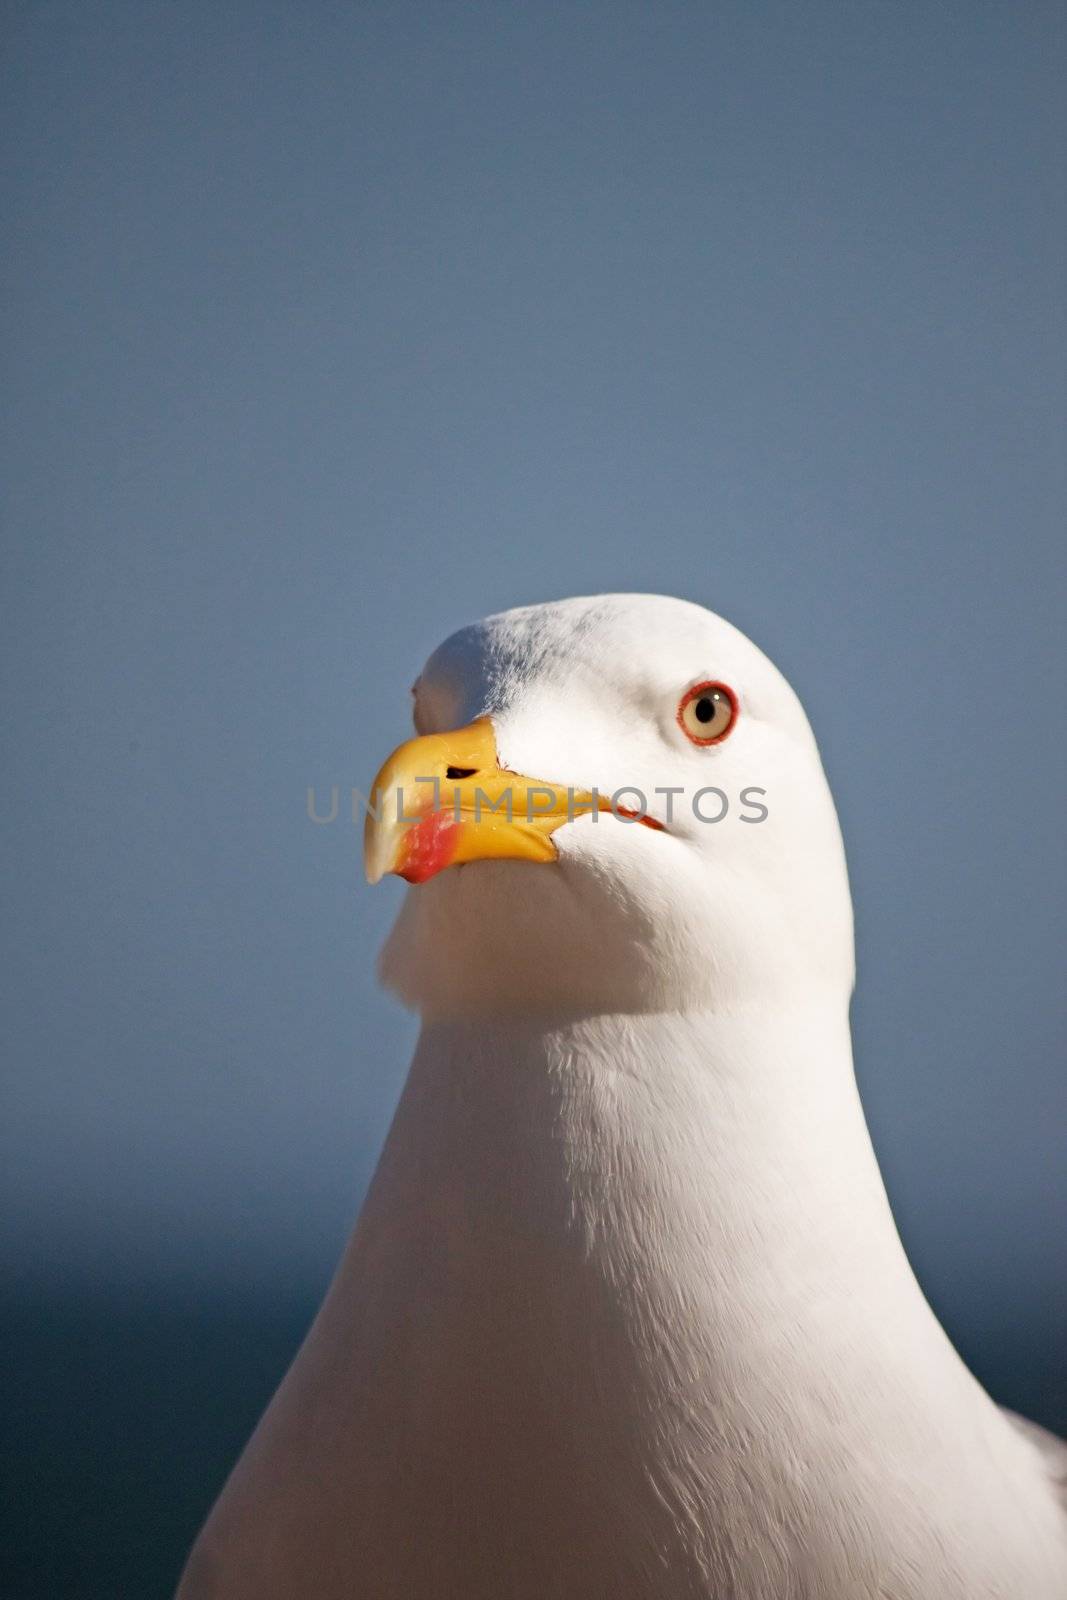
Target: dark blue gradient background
(330,327)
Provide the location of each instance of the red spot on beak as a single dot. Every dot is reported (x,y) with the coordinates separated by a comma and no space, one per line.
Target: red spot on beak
(429,846)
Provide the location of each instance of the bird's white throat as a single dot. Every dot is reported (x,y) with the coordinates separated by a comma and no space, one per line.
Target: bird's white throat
(719,1163)
(639,1273)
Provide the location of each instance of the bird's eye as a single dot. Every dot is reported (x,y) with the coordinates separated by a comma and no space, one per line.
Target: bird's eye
(707,712)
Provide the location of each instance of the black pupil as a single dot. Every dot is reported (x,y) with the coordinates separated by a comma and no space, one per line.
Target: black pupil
(705,710)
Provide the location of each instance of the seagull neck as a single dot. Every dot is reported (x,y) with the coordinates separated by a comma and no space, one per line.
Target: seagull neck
(733,1143)
(659,1242)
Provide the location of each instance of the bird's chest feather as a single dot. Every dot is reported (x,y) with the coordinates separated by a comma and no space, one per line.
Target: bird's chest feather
(607,1332)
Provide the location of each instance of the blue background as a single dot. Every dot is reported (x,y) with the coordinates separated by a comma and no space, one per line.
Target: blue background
(331,327)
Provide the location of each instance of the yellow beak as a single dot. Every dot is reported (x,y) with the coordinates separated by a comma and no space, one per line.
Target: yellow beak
(444,799)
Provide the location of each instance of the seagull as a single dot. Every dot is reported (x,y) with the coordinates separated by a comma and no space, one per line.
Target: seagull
(625,1315)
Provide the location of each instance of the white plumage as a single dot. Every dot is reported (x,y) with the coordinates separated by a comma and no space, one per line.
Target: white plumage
(626,1316)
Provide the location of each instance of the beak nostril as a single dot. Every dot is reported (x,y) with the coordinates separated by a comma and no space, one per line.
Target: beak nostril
(460,772)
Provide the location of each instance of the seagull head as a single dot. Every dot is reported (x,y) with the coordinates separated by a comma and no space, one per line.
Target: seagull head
(611,804)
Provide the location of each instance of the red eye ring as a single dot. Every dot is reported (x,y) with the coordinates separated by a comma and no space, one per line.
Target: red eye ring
(723,697)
